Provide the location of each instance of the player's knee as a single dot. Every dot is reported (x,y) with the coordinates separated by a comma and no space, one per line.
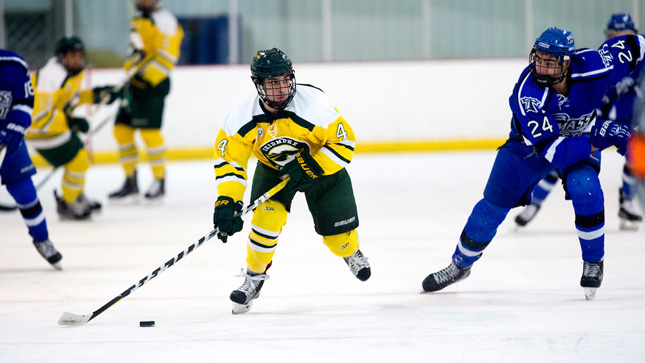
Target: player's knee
(583,185)
(80,163)
(344,244)
(152,137)
(23,191)
(123,134)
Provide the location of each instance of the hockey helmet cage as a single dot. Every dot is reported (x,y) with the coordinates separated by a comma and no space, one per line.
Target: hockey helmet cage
(555,42)
(272,63)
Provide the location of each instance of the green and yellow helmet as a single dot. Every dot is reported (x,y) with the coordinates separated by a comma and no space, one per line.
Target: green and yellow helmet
(272,63)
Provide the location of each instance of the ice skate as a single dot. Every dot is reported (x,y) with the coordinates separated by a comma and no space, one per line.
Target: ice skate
(95,205)
(630,220)
(129,190)
(358,265)
(80,209)
(591,278)
(243,297)
(157,190)
(448,276)
(49,253)
(527,215)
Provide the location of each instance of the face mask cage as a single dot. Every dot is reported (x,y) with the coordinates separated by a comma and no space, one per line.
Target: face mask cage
(553,69)
(264,84)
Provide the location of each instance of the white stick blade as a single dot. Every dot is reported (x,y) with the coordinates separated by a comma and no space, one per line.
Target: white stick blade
(73,319)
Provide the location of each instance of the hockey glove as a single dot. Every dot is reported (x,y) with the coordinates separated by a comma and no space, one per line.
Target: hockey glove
(78,124)
(608,133)
(11,135)
(224,217)
(303,171)
(106,94)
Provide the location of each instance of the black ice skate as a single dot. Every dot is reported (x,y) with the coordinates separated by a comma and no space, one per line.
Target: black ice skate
(157,190)
(49,253)
(80,209)
(628,215)
(129,190)
(243,297)
(358,265)
(448,276)
(591,278)
(527,215)
(95,205)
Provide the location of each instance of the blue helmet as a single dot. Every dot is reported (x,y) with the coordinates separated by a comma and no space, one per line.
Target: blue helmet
(620,22)
(555,42)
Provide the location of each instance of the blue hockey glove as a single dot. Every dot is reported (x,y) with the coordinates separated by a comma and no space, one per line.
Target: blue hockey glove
(303,171)
(78,124)
(11,135)
(608,133)
(224,217)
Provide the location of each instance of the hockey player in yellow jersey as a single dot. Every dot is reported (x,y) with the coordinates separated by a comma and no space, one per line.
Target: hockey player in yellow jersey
(155,39)
(54,130)
(296,133)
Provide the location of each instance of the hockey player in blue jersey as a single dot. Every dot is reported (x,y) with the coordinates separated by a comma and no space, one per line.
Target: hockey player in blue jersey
(617,107)
(16,168)
(553,127)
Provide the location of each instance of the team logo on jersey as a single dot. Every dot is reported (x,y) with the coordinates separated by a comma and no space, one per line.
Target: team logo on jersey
(5,103)
(574,126)
(260,132)
(273,129)
(605,55)
(282,150)
(562,100)
(530,104)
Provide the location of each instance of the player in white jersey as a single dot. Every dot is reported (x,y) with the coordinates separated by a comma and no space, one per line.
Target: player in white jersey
(300,134)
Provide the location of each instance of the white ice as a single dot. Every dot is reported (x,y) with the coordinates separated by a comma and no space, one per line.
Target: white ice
(522,302)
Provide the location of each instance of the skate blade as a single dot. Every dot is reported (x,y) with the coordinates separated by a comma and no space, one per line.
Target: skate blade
(130,199)
(626,225)
(241,308)
(590,292)
(57,266)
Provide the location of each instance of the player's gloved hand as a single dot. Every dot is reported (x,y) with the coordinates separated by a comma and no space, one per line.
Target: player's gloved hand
(78,124)
(607,133)
(224,217)
(106,94)
(303,171)
(11,135)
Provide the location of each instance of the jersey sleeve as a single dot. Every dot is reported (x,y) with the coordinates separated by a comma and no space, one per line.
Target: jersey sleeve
(231,155)
(22,96)
(337,150)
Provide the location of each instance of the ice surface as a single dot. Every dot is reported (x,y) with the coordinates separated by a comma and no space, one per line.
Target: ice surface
(522,302)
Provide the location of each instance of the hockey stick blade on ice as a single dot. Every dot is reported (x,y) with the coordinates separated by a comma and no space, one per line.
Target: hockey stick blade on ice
(71,319)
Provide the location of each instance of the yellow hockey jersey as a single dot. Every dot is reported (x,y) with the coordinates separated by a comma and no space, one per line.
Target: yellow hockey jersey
(155,42)
(55,93)
(310,123)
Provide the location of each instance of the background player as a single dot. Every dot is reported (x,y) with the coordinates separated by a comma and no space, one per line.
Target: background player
(54,131)
(296,133)
(616,108)
(553,105)
(154,39)
(16,168)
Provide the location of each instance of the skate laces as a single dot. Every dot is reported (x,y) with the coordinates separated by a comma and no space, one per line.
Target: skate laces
(357,261)
(591,269)
(45,248)
(251,282)
(447,274)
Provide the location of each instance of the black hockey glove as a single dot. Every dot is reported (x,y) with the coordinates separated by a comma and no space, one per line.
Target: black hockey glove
(303,171)
(607,133)
(106,94)
(224,217)
(78,124)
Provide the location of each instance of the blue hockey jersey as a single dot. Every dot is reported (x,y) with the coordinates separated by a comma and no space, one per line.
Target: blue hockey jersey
(552,122)
(16,91)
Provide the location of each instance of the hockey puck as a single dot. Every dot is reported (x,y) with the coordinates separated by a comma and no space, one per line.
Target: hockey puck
(147,324)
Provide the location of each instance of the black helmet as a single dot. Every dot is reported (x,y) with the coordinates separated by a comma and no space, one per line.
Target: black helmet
(272,63)
(68,44)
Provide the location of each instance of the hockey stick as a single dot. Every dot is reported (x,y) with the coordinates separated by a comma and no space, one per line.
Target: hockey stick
(76,320)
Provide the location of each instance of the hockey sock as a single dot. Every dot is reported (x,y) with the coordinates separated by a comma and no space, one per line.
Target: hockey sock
(478,232)
(543,188)
(586,194)
(128,154)
(74,177)
(24,193)
(628,183)
(344,244)
(266,225)
(156,151)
